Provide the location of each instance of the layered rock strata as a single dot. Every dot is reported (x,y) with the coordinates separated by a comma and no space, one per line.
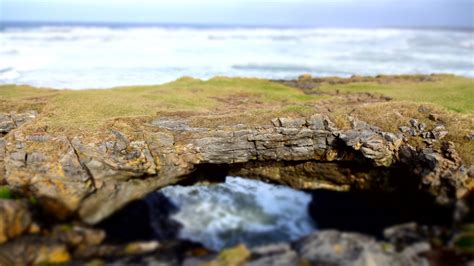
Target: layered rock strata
(92,177)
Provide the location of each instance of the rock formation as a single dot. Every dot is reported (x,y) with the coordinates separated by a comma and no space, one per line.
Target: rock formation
(88,178)
(93,177)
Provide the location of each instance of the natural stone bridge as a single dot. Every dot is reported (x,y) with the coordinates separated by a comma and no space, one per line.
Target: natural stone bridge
(92,177)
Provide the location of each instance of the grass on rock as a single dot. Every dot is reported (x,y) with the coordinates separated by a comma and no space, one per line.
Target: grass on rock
(251,101)
(453,92)
(88,109)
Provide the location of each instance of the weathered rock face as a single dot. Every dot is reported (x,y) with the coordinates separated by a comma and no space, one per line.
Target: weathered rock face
(420,129)
(48,168)
(51,247)
(10,121)
(33,250)
(95,176)
(442,172)
(15,219)
(326,247)
(277,255)
(336,248)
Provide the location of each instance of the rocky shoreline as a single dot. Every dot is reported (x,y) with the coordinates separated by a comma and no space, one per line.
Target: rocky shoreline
(64,185)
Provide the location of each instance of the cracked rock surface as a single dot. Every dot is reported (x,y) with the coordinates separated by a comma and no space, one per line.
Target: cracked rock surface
(92,177)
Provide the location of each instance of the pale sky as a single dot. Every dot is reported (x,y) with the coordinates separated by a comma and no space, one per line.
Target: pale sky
(319,13)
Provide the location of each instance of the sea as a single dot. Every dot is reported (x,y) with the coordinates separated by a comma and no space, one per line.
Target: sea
(240,210)
(79,56)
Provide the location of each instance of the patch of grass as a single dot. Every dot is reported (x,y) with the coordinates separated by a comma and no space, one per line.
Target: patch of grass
(454,93)
(88,109)
(16,92)
(294,111)
(23,98)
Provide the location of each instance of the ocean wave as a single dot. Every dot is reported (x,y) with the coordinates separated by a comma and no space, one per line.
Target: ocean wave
(274,67)
(48,32)
(99,56)
(240,211)
(8,52)
(467,44)
(8,75)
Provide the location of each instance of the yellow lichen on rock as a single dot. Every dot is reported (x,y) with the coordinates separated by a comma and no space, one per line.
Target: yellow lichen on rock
(235,256)
(52,255)
(15,219)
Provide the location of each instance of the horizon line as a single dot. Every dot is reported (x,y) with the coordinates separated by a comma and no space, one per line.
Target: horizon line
(117,24)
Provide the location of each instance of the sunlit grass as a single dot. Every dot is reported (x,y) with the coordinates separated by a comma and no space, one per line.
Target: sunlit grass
(16,92)
(90,108)
(454,93)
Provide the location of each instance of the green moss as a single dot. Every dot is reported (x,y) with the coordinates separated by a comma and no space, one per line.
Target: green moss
(33,200)
(5,193)
(465,243)
(66,227)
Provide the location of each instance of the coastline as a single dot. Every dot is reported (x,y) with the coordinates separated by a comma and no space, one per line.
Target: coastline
(84,155)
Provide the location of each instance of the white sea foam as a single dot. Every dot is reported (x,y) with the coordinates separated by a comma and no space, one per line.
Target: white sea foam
(240,211)
(9,74)
(98,57)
